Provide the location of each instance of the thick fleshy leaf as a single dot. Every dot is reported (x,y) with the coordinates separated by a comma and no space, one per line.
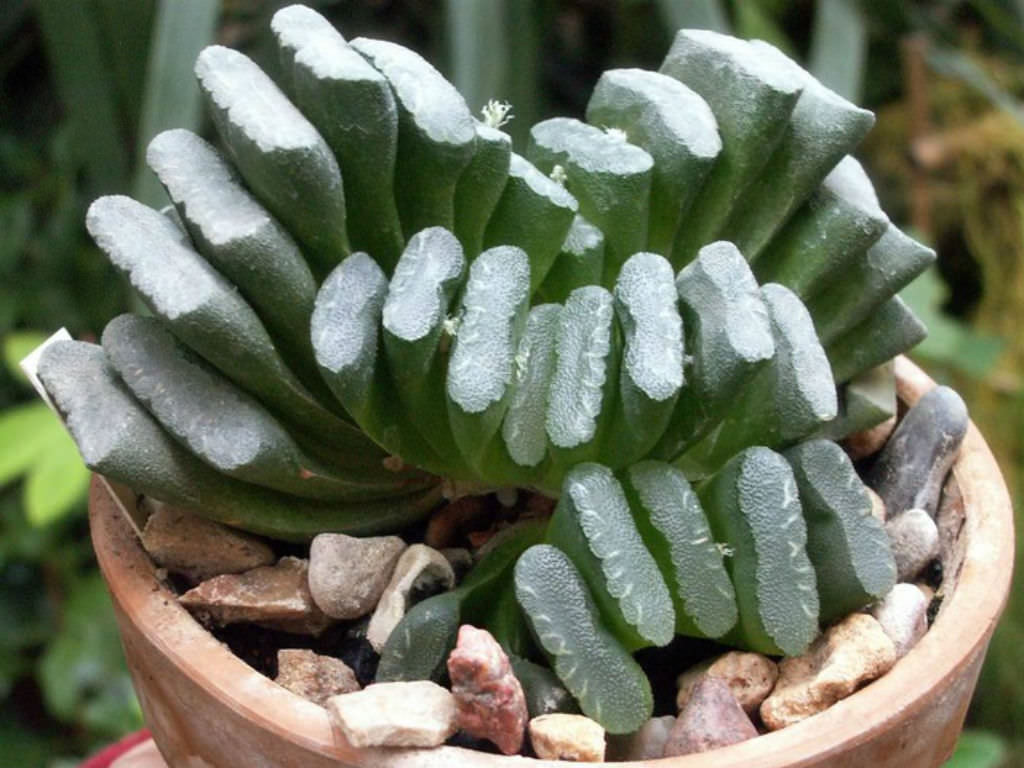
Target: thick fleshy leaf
(284,160)
(754,508)
(480,187)
(535,214)
(594,526)
(583,384)
(579,262)
(793,396)
(236,234)
(415,319)
(352,106)
(869,398)
(119,439)
(609,685)
(651,373)
(493,314)
(846,543)
(206,312)
(829,233)
(890,330)
(676,532)
(751,98)
(675,126)
(436,135)
(823,127)
(888,266)
(610,178)
(728,338)
(228,429)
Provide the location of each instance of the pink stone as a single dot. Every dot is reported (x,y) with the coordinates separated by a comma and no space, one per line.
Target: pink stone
(488,697)
(712,718)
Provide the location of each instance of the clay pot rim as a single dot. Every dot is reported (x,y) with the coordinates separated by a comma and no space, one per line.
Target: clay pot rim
(962,628)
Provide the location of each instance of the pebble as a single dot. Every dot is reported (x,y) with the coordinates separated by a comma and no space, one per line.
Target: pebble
(878,510)
(903,614)
(750,677)
(419,567)
(197,548)
(313,676)
(648,743)
(914,539)
(404,714)
(869,441)
(276,597)
(460,559)
(574,738)
(910,470)
(849,654)
(712,718)
(347,575)
(489,698)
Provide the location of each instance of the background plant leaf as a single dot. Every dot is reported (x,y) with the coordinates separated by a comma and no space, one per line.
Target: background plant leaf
(978,749)
(839,47)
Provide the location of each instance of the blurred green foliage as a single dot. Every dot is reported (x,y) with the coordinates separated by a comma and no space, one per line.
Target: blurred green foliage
(84,84)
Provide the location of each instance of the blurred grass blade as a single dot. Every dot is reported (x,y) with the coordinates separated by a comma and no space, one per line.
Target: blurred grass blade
(953,63)
(181,29)
(839,47)
(755,22)
(523,35)
(85,85)
(16,347)
(478,50)
(696,14)
(125,28)
(57,481)
(978,749)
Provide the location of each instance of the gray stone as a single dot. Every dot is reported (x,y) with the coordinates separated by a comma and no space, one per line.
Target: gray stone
(347,575)
(849,654)
(903,614)
(750,677)
(712,718)
(274,596)
(460,559)
(197,548)
(418,568)
(648,743)
(574,738)
(914,539)
(405,714)
(312,676)
(910,470)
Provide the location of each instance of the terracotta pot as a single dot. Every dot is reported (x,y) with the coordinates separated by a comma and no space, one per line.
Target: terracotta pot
(208,708)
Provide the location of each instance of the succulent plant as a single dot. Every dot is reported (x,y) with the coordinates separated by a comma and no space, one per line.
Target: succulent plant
(664,317)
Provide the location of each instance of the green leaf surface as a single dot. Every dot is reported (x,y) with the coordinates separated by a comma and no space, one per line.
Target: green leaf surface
(610,178)
(117,438)
(283,159)
(728,337)
(823,128)
(436,135)
(82,672)
(481,186)
(608,684)
(676,532)
(25,433)
(352,106)
(419,645)
(889,331)
(579,262)
(533,213)
(17,345)
(950,342)
(751,99)
(594,526)
(57,482)
(651,373)
(753,506)
(675,126)
(847,545)
(978,749)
